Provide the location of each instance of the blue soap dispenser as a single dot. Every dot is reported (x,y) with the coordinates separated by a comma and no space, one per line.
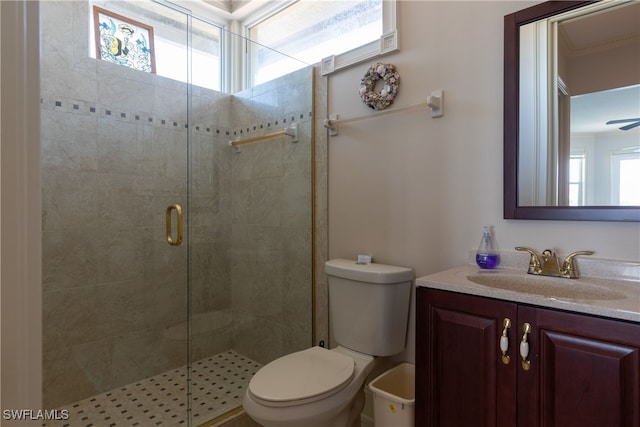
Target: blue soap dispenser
(486,255)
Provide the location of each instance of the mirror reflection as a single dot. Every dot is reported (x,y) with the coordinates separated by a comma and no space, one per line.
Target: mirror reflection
(579,134)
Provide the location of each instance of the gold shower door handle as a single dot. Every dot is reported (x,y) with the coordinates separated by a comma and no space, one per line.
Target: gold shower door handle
(178,210)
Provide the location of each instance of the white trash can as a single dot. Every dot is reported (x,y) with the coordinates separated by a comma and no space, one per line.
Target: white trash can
(394,397)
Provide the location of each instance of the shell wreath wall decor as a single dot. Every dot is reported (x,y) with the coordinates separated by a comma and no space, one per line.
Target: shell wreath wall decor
(382,99)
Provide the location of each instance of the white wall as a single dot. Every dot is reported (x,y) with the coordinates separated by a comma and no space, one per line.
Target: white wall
(415,191)
(20,243)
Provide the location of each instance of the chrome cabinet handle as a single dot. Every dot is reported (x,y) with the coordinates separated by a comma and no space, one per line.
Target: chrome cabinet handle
(178,210)
(504,341)
(524,347)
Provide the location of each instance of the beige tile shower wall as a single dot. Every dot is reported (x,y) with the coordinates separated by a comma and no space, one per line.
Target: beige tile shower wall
(272,204)
(111,284)
(210,224)
(114,156)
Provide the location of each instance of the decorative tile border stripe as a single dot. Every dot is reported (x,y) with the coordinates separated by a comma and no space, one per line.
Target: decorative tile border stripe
(272,124)
(85,108)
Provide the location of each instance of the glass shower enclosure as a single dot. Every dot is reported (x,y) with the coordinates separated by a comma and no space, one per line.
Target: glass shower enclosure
(175,264)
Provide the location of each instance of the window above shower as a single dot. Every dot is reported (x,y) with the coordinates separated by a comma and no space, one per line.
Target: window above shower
(277,37)
(170,41)
(338,33)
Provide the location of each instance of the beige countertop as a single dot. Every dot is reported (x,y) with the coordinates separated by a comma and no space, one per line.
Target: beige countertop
(614,297)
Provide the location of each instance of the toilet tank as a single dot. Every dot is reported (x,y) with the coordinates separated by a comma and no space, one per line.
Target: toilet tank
(369,305)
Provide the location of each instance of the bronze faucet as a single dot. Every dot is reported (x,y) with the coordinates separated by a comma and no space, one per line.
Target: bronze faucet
(569,268)
(535,266)
(547,263)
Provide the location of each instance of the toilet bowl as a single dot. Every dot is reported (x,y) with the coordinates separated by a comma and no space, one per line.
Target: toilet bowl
(318,387)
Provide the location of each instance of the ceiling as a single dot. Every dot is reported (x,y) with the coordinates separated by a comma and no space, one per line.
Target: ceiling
(229,6)
(614,27)
(235,10)
(591,112)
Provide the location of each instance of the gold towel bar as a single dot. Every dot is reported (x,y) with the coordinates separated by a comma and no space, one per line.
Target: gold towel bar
(292,131)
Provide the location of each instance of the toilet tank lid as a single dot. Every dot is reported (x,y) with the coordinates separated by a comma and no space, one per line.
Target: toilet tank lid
(373,272)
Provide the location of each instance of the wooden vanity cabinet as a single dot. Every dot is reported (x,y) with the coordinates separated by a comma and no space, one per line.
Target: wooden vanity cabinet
(584,370)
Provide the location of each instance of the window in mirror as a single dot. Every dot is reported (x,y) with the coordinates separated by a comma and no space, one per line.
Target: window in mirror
(576,179)
(625,171)
(593,133)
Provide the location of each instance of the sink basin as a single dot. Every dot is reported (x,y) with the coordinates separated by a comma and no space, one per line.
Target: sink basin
(551,287)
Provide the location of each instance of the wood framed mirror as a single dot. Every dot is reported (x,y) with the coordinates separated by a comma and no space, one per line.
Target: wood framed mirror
(551,205)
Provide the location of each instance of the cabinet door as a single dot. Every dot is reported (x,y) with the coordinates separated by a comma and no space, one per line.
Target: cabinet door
(461,379)
(585,371)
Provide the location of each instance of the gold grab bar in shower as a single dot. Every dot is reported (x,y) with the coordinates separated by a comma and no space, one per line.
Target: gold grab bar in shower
(292,131)
(178,210)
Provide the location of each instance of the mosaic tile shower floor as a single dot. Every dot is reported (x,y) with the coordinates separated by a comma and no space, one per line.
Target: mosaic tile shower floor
(217,386)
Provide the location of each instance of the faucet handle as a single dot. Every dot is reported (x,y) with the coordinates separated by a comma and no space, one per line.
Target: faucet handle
(535,266)
(550,263)
(569,266)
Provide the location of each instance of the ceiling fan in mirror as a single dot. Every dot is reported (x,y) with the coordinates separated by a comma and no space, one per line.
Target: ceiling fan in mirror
(633,123)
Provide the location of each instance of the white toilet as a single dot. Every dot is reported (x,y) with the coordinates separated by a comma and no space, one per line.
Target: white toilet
(317,387)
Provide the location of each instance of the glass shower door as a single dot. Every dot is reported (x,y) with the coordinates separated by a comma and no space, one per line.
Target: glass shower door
(114,162)
(250,235)
(130,315)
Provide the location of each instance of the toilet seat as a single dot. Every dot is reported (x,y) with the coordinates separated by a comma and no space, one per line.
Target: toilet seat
(302,377)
